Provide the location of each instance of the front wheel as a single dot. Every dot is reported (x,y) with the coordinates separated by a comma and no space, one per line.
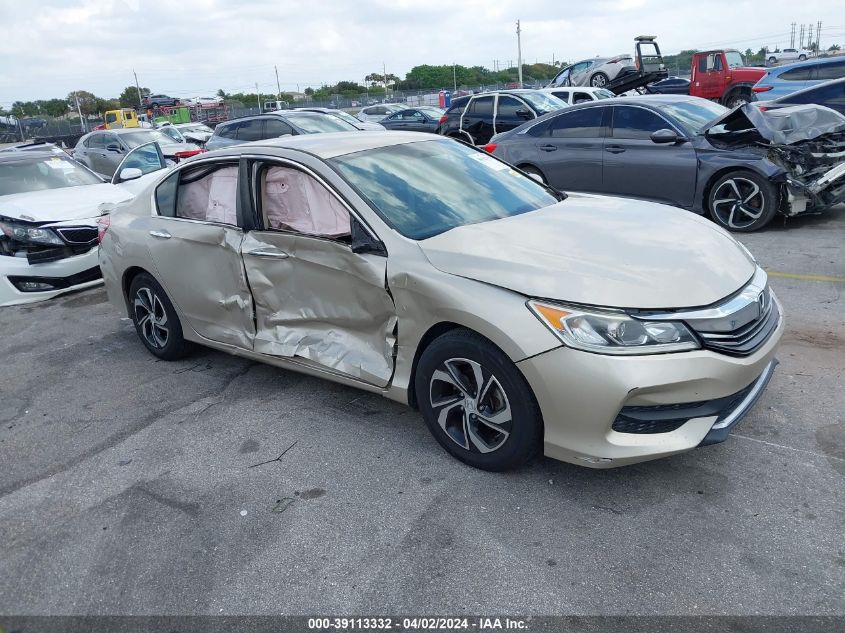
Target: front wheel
(155,319)
(773,60)
(743,201)
(737,99)
(599,80)
(802,58)
(476,403)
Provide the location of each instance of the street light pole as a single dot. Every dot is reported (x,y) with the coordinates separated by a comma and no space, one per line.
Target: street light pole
(519,52)
(138,86)
(278,85)
(258,95)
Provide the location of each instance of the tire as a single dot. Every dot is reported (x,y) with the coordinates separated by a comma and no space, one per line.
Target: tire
(737,98)
(533,171)
(495,426)
(773,60)
(161,334)
(599,80)
(742,201)
(802,58)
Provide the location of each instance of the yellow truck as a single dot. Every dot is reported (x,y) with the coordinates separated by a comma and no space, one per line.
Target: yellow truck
(125,117)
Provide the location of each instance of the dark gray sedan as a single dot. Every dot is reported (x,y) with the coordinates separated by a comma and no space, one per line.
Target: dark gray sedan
(103,150)
(421,119)
(683,151)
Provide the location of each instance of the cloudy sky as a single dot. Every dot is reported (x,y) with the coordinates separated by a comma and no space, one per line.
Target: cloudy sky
(193,47)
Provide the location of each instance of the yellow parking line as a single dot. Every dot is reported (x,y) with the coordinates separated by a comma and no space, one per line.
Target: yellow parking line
(836,280)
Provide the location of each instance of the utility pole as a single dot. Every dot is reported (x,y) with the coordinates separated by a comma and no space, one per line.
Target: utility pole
(818,37)
(278,86)
(258,94)
(792,35)
(801,38)
(138,86)
(384,76)
(519,52)
(82,125)
(454,77)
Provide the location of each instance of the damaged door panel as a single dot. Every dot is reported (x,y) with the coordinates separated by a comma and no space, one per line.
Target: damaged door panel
(196,244)
(806,141)
(316,299)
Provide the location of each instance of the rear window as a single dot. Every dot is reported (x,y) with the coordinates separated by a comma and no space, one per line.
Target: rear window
(802,73)
(834,70)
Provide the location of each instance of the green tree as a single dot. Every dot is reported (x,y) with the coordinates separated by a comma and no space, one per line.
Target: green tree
(129,97)
(834,47)
(87,101)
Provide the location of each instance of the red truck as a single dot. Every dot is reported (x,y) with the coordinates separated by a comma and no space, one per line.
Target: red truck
(722,76)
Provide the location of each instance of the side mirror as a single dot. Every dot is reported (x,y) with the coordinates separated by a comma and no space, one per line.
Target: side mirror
(113,147)
(130,173)
(524,114)
(665,137)
(363,242)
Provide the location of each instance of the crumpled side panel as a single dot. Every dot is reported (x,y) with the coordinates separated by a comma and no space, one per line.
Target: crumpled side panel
(323,303)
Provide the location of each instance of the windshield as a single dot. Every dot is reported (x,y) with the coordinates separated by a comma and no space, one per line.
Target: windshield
(434,113)
(734,59)
(601,93)
(542,102)
(315,123)
(345,116)
(41,173)
(142,137)
(694,116)
(472,186)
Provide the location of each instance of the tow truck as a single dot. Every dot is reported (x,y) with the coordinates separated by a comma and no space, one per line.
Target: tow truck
(649,67)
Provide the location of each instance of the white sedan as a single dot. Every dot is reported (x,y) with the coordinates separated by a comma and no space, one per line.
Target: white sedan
(49,205)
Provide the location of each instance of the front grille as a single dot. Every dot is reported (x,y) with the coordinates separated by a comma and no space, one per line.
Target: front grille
(665,418)
(748,338)
(78,234)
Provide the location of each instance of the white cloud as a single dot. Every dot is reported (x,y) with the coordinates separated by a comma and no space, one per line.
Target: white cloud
(191,47)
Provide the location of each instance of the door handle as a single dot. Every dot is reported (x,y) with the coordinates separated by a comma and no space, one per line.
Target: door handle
(268,253)
(548,148)
(161,234)
(614,149)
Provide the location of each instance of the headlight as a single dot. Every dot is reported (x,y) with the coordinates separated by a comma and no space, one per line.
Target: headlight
(27,233)
(612,332)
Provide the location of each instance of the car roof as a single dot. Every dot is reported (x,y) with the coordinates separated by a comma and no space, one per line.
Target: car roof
(819,61)
(332,144)
(573,88)
(278,113)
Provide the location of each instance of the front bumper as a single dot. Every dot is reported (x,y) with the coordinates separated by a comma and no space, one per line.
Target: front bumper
(581,395)
(64,275)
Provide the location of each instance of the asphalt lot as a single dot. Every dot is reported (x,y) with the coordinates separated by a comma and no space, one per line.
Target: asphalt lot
(131,486)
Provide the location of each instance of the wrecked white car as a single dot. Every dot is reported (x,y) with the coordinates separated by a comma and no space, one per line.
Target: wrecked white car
(803,146)
(49,205)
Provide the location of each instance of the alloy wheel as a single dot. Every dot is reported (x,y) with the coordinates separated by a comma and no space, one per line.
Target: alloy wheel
(599,81)
(738,203)
(471,406)
(151,317)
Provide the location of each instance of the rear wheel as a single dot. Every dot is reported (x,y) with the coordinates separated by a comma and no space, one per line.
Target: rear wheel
(534,173)
(599,80)
(773,60)
(802,58)
(476,402)
(155,319)
(738,98)
(743,201)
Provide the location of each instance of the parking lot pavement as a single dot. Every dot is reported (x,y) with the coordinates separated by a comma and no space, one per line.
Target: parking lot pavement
(133,486)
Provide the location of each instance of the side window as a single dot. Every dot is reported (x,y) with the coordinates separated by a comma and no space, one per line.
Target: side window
(291,200)
(508,106)
(583,123)
(636,123)
(717,63)
(581,97)
(563,95)
(95,141)
(111,117)
(250,130)
(711,62)
(226,131)
(802,73)
(481,106)
(835,70)
(702,63)
(274,128)
(206,192)
(146,158)
(832,96)
(110,139)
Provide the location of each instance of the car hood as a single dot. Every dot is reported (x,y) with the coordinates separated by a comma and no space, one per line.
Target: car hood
(748,124)
(171,149)
(56,205)
(599,251)
(201,136)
